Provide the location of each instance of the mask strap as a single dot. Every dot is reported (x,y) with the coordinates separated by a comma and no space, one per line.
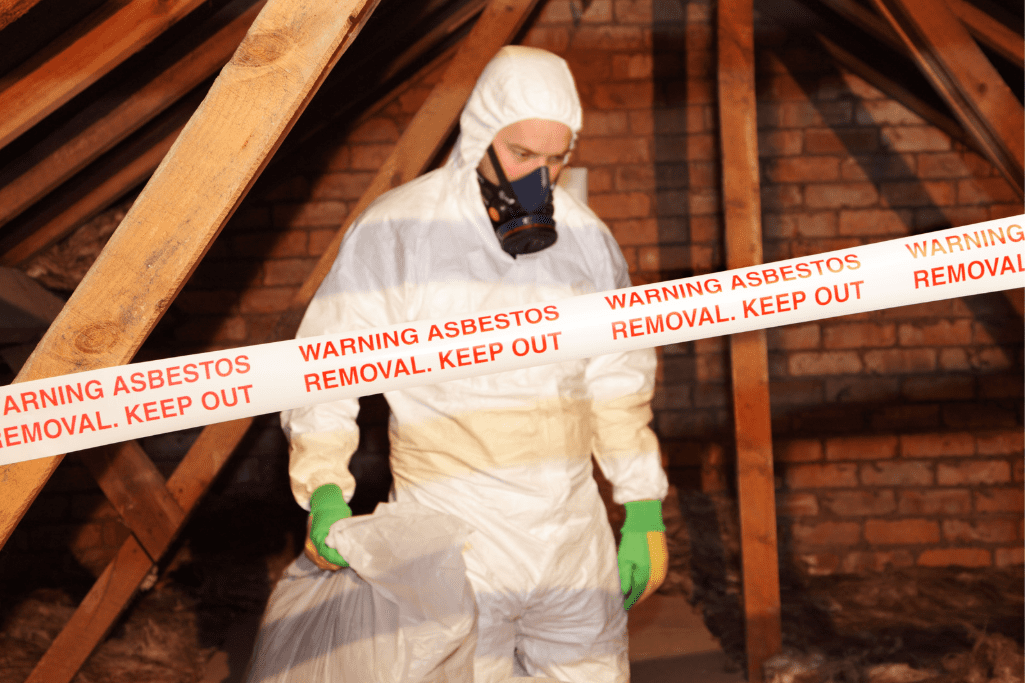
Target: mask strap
(503,182)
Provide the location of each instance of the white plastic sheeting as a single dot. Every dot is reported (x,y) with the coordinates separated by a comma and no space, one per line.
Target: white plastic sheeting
(403,612)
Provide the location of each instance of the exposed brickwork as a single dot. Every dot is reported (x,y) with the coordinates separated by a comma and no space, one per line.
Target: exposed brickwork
(932,499)
(898,424)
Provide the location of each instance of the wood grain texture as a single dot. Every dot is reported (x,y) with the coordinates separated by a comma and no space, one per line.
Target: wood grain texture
(98,128)
(748,354)
(250,108)
(109,36)
(92,620)
(952,61)
(102,184)
(423,137)
(122,578)
(12,10)
(137,491)
(1007,43)
(896,90)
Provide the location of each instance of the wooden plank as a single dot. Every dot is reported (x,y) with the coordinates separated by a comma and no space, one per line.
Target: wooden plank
(250,108)
(121,579)
(101,185)
(961,74)
(867,21)
(137,491)
(1016,297)
(108,37)
(98,128)
(190,480)
(215,443)
(748,355)
(1007,43)
(94,617)
(24,303)
(895,89)
(12,10)
(425,134)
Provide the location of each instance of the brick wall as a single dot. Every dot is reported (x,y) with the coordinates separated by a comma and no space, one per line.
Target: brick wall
(899,431)
(869,503)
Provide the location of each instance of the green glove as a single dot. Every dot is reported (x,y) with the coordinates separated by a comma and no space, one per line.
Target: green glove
(643,553)
(327,506)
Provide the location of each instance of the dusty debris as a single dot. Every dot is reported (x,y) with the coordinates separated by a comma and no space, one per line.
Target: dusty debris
(157,643)
(64,264)
(916,625)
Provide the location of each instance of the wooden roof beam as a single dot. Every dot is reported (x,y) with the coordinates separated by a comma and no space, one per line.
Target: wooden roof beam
(99,128)
(896,90)
(425,134)
(748,351)
(952,61)
(12,10)
(867,21)
(1007,43)
(250,108)
(122,577)
(80,57)
(126,167)
(107,180)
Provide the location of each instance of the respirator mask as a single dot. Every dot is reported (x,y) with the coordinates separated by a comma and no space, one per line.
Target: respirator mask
(521,211)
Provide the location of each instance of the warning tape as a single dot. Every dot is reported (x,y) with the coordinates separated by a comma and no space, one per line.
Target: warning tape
(62,414)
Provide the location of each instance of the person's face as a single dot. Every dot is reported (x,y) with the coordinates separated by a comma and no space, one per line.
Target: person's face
(525,146)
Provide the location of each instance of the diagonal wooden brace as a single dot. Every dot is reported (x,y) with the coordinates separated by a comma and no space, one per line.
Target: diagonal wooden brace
(964,77)
(137,491)
(121,579)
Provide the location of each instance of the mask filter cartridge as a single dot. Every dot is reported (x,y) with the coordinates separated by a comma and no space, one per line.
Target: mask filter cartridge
(521,211)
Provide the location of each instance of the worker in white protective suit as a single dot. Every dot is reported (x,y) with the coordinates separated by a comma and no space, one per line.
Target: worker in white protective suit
(509,453)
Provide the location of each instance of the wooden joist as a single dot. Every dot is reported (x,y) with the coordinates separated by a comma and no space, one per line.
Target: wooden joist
(249,109)
(128,165)
(98,128)
(895,89)
(109,36)
(426,133)
(103,183)
(952,61)
(748,354)
(1007,43)
(124,575)
(12,10)
(137,491)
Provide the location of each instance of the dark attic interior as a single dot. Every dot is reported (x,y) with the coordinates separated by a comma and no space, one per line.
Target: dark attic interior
(888,444)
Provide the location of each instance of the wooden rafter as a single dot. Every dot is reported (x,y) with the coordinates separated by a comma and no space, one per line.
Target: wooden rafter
(895,89)
(105,39)
(206,174)
(105,181)
(952,61)
(433,123)
(1007,43)
(748,353)
(129,165)
(117,467)
(12,10)
(98,128)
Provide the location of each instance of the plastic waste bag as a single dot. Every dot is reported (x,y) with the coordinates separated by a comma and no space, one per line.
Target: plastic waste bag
(404,611)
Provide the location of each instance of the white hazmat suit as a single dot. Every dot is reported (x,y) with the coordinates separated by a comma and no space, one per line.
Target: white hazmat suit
(510,453)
